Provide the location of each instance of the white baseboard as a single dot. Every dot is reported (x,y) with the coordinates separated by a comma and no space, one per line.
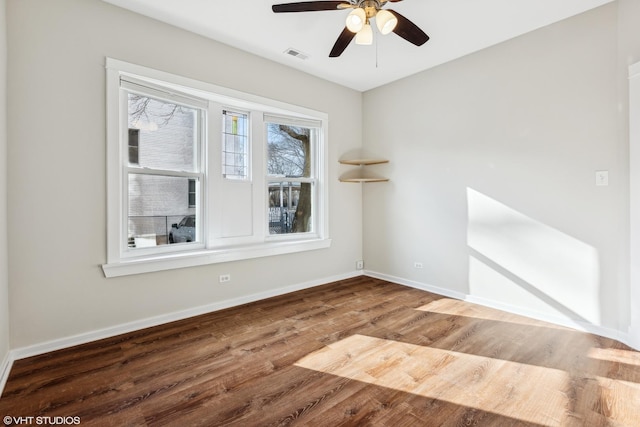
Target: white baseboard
(65,342)
(5,368)
(556,320)
(83,338)
(417,285)
(579,325)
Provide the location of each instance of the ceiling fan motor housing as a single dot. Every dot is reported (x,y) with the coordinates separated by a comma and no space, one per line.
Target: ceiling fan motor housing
(371,7)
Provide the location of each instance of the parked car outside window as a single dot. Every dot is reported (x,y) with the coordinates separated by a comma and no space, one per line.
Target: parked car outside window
(184,231)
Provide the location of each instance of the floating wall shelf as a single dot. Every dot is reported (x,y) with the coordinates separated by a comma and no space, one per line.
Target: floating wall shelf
(363,179)
(360,175)
(363,162)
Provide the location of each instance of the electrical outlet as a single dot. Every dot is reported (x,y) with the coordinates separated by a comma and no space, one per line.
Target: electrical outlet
(224,278)
(359,265)
(417,264)
(602,178)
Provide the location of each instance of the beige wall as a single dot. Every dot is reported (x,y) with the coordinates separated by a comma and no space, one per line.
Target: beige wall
(57,162)
(4,275)
(493,161)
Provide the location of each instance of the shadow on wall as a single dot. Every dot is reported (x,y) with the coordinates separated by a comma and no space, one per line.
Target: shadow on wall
(522,262)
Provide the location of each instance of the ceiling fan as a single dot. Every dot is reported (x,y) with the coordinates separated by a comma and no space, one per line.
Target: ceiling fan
(358,21)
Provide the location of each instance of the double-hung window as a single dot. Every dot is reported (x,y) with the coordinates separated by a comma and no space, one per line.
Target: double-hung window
(200,174)
(291,174)
(164,169)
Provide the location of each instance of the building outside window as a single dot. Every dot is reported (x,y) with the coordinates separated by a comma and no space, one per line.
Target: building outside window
(192,193)
(134,136)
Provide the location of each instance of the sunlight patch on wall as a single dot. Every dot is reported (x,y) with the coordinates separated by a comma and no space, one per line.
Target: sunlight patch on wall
(493,385)
(522,262)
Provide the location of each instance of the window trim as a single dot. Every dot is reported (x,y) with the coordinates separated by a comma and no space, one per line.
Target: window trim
(116,264)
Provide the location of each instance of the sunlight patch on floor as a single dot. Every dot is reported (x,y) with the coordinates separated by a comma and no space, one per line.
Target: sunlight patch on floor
(525,392)
(629,357)
(462,308)
(619,400)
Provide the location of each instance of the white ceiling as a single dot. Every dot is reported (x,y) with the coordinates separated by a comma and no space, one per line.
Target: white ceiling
(456,28)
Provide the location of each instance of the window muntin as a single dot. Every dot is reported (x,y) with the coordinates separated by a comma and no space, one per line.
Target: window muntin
(235,145)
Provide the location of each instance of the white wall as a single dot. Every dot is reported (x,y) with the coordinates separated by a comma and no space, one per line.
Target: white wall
(4,262)
(57,172)
(493,160)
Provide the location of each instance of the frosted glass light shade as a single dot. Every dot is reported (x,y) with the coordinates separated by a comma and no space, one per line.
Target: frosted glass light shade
(356,20)
(365,35)
(386,21)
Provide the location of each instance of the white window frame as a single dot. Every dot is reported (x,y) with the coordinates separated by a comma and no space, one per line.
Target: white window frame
(212,249)
(130,85)
(313,178)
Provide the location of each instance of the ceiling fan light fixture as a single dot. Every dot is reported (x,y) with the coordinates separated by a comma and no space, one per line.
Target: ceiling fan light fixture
(386,21)
(358,25)
(365,35)
(356,20)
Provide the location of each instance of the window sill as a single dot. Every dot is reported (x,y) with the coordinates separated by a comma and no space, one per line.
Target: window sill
(210,256)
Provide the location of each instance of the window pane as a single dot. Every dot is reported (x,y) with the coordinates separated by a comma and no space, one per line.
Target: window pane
(290,207)
(156,203)
(134,136)
(192,193)
(166,134)
(235,145)
(288,150)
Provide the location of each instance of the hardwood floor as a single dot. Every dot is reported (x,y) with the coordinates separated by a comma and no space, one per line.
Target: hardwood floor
(356,352)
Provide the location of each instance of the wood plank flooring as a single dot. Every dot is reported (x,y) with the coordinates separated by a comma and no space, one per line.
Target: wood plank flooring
(352,353)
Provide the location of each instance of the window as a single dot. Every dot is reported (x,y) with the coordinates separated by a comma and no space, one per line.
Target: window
(290,176)
(200,174)
(235,145)
(164,166)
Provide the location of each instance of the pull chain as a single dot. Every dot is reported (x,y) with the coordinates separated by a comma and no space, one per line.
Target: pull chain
(376,42)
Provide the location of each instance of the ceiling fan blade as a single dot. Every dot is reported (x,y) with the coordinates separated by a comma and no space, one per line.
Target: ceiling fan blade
(409,31)
(306,6)
(341,44)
